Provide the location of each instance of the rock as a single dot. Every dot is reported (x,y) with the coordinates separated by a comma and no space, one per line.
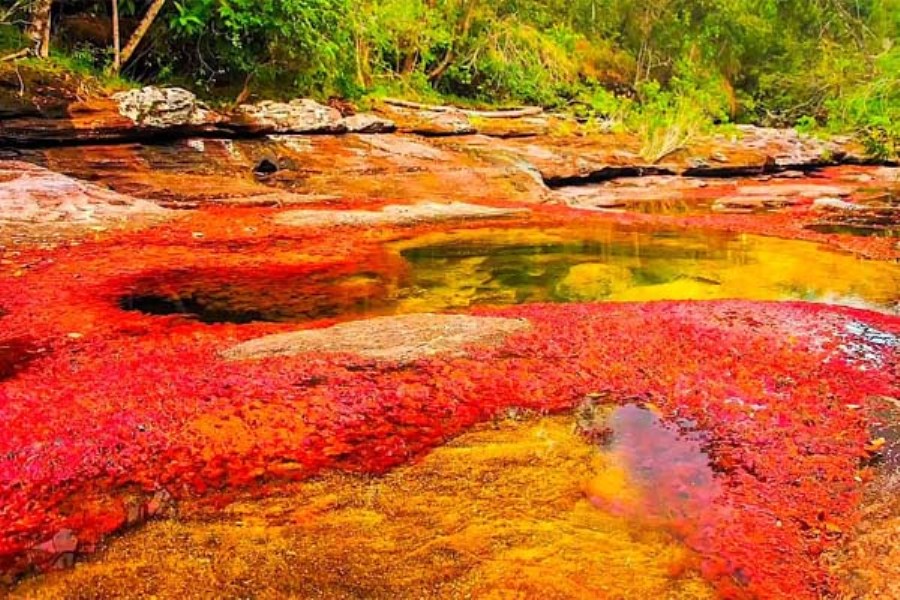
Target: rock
(360,167)
(754,202)
(163,108)
(698,163)
(401,338)
(887,174)
(394,214)
(512,127)
(429,123)
(160,503)
(789,149)
(368,123)
(64,541)
(32,194)
(835,204)
(297,116)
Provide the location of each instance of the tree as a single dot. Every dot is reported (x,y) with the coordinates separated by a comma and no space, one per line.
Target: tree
(39,30)
(142,29)
(117,50)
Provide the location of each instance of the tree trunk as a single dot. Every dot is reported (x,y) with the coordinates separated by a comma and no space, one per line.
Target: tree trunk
(117,50)
(437,72)
(141,30)
(39,30)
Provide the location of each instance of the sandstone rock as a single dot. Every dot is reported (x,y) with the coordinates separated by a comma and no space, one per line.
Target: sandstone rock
(429,123)
(393,214)
(163,108)
(512,127)
(401,338)
(835,204)
(32,194)
(791,174)
(788,148)
(753,202)
(359,167)
(367,123)
(297,116)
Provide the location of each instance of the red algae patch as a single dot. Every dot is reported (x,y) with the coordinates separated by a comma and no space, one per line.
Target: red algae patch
(401,338)
(769,384)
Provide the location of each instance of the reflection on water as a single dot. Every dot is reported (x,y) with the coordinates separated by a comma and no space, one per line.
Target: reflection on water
(496,513)
(459,269)
(464,268)
(860,230)
(667,467)
(242,297)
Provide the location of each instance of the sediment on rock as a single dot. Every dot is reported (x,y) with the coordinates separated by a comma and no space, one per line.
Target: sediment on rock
(401,338)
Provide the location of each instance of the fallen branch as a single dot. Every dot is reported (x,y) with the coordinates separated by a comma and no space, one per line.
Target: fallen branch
(527,111)
(20,54)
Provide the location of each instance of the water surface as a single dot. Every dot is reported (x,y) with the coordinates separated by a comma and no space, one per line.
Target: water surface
(472,267)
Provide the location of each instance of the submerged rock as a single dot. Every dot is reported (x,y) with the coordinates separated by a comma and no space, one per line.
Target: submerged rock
(401,338)
(828,203)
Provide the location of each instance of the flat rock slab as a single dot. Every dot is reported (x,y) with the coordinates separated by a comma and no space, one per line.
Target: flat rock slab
(397,167)
(395,214)
(32,194)
(401,338)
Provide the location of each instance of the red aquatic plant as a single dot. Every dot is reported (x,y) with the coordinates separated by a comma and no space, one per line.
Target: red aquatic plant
(123,409)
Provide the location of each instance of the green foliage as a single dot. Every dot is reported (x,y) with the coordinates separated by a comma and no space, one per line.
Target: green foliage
(871,108)
(639,62)
(11,38)
(301,44)
(667,120)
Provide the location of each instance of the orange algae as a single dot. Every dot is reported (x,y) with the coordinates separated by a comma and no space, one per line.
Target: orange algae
(126,404)
(496,513)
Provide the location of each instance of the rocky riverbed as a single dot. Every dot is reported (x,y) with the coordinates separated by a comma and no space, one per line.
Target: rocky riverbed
(199,306)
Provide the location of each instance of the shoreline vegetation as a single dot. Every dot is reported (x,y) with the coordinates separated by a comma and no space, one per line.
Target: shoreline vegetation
(667,71)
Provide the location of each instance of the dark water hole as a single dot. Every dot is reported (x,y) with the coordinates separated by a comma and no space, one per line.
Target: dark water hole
(239,297)
(15,355)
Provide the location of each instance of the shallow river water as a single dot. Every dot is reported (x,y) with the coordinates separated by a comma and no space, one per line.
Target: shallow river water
(470,267)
